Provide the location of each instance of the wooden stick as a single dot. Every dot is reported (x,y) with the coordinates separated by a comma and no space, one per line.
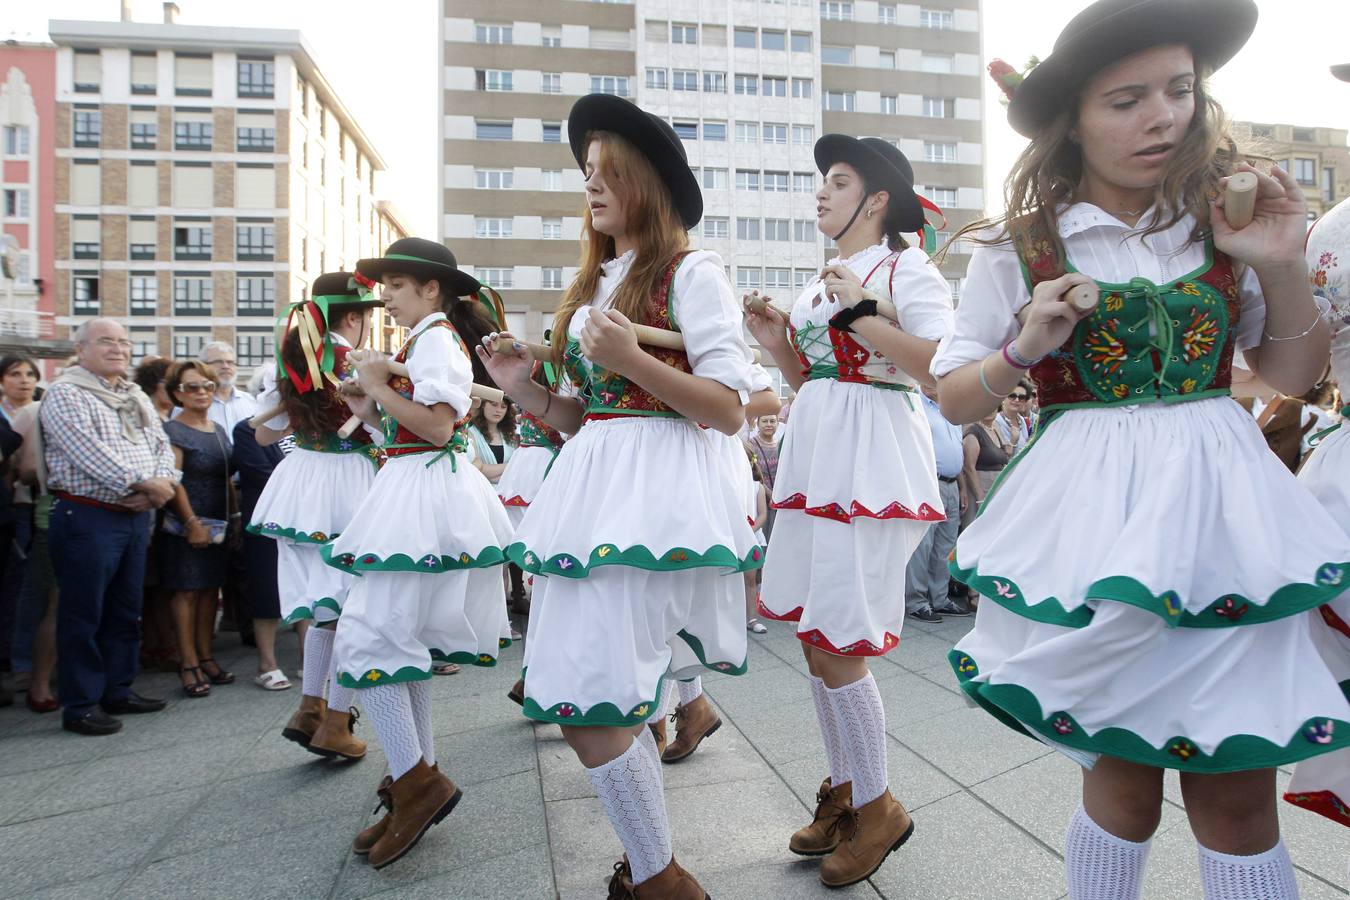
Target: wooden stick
(652,337)
(1083,297)
(506,347)
(885,307)
(1239,200)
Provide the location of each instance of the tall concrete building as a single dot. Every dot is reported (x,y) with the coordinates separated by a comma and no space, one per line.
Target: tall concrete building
(748,85)
(1317,158)
(204,177)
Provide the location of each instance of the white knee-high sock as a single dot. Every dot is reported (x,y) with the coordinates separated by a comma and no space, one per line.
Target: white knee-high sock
(630,789)
(390,711)
(419,693)
(1100,866)
(835,751)
(862,725)
(668,695)
(1268,875)
(339,698)
(318,660)
(690,690)
(648,742)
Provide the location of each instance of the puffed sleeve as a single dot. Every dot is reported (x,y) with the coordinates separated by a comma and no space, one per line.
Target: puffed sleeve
(922,296)
(270,398)
(986,319)
(710,320)
(440,371)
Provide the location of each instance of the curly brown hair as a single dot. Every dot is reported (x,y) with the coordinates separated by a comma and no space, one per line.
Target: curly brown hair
(174,380)
(150,373)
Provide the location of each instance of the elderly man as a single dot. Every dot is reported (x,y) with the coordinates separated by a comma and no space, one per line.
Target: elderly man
(231,405)
(108,465)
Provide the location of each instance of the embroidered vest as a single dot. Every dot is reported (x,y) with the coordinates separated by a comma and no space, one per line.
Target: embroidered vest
(533,432)
(1144,342)
(608,394)
(398,440)
(335,415)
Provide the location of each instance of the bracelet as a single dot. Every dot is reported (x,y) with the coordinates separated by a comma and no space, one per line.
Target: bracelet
(844,319)
(235,515)
(1270,337)
(1016,359)
(984,382)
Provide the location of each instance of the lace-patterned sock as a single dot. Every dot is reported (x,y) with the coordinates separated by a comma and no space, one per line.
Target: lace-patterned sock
(629,787)
(1100,866)
(861,720)
(690,690)
(1268,875)
(668,696)
(419,692)
(318,660)
(339,698)
(390,711)
(829,730)
(648,742)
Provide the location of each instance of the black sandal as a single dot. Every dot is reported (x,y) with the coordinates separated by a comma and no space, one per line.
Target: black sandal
(198,688)
(220,676)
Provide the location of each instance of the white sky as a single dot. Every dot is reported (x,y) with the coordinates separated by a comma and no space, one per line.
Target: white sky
(382,61)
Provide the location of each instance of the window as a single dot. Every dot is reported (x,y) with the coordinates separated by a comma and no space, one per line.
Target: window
(87,128)
(716,227)
(84,294)
(836,11)
(1328,185)
(886,59)
(144,73)
(886,14)
(254,295)
(686,131)
(889,104)
(939,63)
(776,229)
(550,278)
(776,279)
(143,344)
(88,71)
(551,36)
(552,132)
(551,230)
(255,131)
(255,186)
(772,40)
(775,133)
(255,242)
(188,342)
(610,39)
(715,82)
(257,77)
(610,84)
(681,33)
(254,348)
(684,80)
(497,278)
(804,135)
(714,131)
(550,83)
(836,56)
(801,88)
(745,38)
(16,203)
(955,285)
(714,179)
(747,132)
(1305,170)
(802,277)
(493,79)
(657,80)
(746,85)
(941,19)
(939,151)
(84,183)
(492,227)
(942,196)
(142,234)
(492,131)
(840,101)
(84,234)
(192,242)
(192,75)
(747,278)
(193,134)
(144,294)
(192,295)
(804,231)
(939,107)
(16,140)
(492,34)
(656,31)
(775,87)
(494,179)
(1304,135)
(777,182)
(747,179)
(801,42)
(803,183)
(551,180)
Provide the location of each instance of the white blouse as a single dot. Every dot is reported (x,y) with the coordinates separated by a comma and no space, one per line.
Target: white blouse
(438,367)
(920,293)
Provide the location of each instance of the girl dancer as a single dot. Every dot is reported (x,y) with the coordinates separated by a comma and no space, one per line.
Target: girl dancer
(856,485)
(426,540)
(313,492)
(1144,561)
(636,526)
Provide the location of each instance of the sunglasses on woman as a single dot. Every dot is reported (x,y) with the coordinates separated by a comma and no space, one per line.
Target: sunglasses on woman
(197,387)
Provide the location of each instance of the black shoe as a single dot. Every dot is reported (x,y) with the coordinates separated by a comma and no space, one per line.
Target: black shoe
(955,609)
(925,615)
(132,704)
(95,722)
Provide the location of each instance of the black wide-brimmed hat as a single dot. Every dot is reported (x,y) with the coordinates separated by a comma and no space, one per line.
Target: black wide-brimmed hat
(882,166)
(651,135)
(1342,71)
(1110,30)
(344,289)
(422,259)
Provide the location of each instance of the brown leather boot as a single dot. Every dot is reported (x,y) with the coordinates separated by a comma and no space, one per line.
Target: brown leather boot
(305,721)
(621,882)
(421,799)
(831,825)
(671,883)
(367,837)
(694,721)
(880,826)
(659,735)
(517,693)
(337,736)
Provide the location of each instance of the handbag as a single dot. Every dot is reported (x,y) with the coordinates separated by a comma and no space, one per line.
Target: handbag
(216,528)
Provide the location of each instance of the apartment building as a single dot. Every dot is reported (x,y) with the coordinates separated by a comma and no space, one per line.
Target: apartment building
(749,85)
(1317,158)
(204,177)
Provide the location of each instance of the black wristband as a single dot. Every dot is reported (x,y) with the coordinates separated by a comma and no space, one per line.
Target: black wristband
(844,319)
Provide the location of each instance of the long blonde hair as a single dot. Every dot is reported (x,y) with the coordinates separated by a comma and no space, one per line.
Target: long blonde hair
(1048,172)
(652,222)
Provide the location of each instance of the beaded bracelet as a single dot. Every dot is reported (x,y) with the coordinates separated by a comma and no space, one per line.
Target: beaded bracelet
(984,382)
(1016,359)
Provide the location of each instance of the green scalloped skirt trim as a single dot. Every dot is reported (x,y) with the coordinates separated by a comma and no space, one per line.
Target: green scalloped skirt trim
(278,532)
(431,564)
(636,557)
(724,667)
(606,714)
(1018,708)
(375,677)
(1330,580)
(303,613)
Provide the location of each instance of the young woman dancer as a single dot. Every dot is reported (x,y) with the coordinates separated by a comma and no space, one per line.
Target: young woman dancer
(856,486)
(637,527)
(314,491)
(1145,560)
(426,540)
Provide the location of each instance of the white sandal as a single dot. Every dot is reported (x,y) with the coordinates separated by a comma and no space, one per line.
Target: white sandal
(274,680)
(756,626)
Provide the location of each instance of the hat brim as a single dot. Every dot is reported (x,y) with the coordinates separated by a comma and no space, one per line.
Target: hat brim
(833,148)
(605,112)
(1215,30)
(1342,72)
(452,280)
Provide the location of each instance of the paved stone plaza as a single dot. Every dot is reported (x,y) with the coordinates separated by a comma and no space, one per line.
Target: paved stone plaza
(207,800)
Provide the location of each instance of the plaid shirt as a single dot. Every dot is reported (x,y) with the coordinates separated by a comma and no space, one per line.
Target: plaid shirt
(86,452)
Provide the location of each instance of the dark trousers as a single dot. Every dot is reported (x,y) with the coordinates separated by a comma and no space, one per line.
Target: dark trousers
(99,556)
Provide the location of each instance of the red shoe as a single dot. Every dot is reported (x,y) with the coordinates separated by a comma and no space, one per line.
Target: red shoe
(41,706)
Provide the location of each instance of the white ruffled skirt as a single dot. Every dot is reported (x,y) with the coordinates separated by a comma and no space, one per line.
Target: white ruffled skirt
(522,478)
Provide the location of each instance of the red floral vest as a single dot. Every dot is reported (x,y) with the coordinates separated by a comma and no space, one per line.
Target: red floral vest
(399,440)
(534,432)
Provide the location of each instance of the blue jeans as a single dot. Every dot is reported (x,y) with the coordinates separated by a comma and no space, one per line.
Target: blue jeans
(99,556)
